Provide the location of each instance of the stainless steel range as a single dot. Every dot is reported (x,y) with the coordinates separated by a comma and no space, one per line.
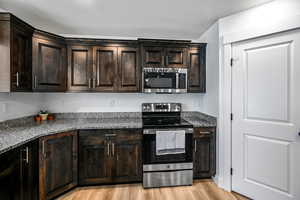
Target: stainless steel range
(167,146)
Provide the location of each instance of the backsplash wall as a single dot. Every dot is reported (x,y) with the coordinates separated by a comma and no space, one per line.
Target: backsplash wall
(15,105)
(113,102)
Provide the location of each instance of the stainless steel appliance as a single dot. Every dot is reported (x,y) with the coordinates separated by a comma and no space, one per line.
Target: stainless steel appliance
(164,80)
(173,165)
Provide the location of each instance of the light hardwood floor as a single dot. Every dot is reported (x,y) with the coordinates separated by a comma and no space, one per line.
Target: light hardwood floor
(201,190)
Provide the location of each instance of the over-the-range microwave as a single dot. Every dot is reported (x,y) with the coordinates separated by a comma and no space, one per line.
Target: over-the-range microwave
(164,80)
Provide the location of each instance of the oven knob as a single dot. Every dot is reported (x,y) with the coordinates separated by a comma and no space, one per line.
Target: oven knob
(168,166)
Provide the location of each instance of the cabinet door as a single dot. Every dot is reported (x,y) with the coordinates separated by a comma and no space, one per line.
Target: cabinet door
(105,69)
(153,56)
(128,69)
(80,68)
(127,155)
(58,164)
(128,161)
(176,57)
(94,157)
(49,66)
(29,172)
(10,184)
(21,51)
(197,70)
(204,154)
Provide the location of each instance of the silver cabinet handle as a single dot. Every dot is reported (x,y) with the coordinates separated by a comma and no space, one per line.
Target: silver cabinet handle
(110,135)
(17,76)
(43,148)
(177,80)
(195,145)
(27,155)
(108,149)
(90,80)
(204,132)
(94,83)
(35,82)
(113,149)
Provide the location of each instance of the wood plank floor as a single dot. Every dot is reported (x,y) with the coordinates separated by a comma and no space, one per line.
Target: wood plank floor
(201,190)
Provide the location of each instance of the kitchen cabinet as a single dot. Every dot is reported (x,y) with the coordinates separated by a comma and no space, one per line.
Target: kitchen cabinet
(176,57)
(18,173)
(16,54)
(128,69)
(80,68)
(109,156)
(105,69)
(57,164)
(127,155)
(94,157)
(164,56)
(197,68)
(49,63)
(204,152)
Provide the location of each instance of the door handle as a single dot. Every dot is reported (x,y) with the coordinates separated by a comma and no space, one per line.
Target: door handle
(195,145)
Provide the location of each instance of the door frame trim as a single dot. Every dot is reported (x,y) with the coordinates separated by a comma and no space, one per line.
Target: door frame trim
(224,178)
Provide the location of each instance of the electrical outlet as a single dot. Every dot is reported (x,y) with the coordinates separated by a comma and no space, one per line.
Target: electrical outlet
(3,107)
(112,103)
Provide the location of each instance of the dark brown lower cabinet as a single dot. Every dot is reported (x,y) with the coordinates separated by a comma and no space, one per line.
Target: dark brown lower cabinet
(204,152)
(18,173)
(58,164)
(109,156)
(127,155)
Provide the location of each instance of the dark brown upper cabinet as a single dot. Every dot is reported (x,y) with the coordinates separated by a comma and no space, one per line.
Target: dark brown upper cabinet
(197,68)
(49,63)
(176,57)
(105,69)
(57,164)
(16,54)
(80,68)
(128,69)
(153,56)
(164,53)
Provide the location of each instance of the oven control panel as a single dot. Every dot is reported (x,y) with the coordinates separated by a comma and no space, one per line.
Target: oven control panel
(161,107)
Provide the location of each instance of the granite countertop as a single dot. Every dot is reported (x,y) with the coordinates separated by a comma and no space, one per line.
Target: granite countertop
(17,132)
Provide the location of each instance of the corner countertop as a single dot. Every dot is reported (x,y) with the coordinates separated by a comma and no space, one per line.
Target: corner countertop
(15,133)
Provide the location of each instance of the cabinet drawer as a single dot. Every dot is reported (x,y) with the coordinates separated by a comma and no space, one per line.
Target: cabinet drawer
(128,134)
(94,137)
(204,132)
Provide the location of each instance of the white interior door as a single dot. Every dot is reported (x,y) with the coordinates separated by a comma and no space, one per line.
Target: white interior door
(266,111)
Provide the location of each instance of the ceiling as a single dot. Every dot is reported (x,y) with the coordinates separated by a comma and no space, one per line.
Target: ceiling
(173,19)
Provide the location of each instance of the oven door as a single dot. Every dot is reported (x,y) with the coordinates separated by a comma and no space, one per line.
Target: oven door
(150,155)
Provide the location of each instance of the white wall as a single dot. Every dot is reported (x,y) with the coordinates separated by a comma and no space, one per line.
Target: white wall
(209,101)
(265,18)
(15,105)
(114,102)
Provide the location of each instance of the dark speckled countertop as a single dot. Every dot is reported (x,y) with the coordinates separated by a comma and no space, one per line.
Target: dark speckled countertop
(14,133)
